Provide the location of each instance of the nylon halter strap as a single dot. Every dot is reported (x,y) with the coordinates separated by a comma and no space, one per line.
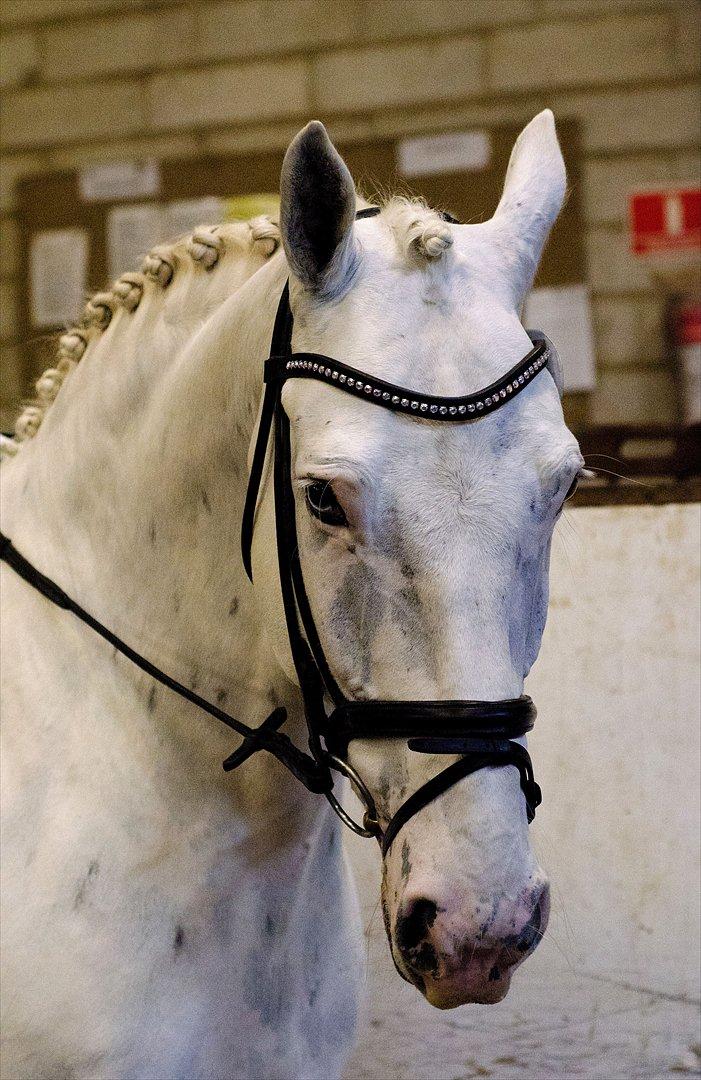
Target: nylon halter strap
(480,731)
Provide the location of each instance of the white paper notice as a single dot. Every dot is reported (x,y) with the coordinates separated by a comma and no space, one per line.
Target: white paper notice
(453,151)
(58,276)
(131,233)
(119,180)
(564,314)
(186,214)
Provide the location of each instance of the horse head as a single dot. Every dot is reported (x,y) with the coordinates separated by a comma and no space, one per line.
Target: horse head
(425,547)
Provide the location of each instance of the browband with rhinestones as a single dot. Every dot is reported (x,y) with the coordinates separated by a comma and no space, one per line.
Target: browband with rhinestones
(400,399)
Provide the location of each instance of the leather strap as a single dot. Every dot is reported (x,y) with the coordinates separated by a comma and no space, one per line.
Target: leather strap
(506,719)
(506,753)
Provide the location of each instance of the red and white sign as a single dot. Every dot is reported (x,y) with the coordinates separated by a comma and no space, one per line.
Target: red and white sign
(667,220)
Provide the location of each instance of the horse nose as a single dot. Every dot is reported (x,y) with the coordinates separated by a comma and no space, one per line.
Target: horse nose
(427,947)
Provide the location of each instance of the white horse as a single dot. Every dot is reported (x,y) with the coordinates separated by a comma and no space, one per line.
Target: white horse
(162,918)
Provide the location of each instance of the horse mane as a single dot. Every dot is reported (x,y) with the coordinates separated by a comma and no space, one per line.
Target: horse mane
(419,232)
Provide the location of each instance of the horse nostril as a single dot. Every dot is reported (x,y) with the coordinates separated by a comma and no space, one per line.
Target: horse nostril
(414,922)
(531,930)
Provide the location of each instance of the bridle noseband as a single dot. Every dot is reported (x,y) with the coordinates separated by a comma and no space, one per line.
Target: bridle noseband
(480,732)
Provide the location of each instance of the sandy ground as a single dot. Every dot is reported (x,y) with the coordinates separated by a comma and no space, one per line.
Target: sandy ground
(557,1021)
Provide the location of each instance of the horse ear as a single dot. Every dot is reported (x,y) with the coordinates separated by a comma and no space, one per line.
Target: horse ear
(534,190)
(317,211)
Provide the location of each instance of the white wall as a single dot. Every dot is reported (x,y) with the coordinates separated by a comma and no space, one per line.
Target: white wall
(611,990)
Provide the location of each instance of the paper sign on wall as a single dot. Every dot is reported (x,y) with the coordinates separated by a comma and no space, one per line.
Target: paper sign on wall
(184,215)
(453,151)
(131,232)
(58,276)
(119,180)
(564,314)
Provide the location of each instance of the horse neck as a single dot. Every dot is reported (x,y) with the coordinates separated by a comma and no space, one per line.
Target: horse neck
(138,516)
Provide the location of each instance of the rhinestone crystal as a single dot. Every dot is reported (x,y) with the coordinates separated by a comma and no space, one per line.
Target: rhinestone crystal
(442,410)
(405,402)
(385,396)
(341,378)
(351,382)
(462,408)
(395,400)
(470,408)
(423,407)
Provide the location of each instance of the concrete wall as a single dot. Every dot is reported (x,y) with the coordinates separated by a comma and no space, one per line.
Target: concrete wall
(613,989)
(92,80)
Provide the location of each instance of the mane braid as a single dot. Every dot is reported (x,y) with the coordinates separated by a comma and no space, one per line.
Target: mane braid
(202,250)
(419,232)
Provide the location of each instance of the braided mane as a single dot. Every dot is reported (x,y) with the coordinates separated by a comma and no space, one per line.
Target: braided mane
(202,250)
(418,231)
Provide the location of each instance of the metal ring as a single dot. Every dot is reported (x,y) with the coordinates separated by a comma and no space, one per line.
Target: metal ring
(371,824)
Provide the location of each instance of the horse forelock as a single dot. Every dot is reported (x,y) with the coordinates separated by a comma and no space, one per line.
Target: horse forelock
(418,230)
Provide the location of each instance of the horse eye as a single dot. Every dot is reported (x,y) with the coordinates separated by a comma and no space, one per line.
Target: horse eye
(572,488)
(570,492)
(323,504)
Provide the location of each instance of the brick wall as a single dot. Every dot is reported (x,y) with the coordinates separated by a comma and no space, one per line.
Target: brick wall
(93,80)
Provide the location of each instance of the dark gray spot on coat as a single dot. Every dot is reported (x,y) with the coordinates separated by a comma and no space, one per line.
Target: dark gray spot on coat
(318,539)
(494,974)
(178,938)
(269,925)
(221,697)
(406,863)
(233,606)
(205,501)
(264,986)
(151,703)
(83,889)
(152,531)
(356,614)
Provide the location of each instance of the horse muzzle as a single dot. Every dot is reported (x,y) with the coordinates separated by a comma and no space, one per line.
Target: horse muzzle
(451,969)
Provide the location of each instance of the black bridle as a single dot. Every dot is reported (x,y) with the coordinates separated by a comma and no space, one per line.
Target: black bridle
(480,732)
